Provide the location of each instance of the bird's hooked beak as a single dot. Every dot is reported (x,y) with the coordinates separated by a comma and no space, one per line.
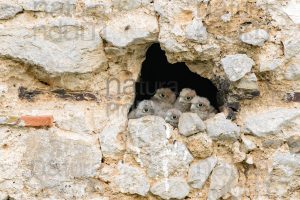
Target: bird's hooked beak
(193,107)
(181,100)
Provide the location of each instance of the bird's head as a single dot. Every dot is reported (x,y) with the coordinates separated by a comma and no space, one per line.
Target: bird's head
(165,95)
(200,104)
(186,95)
(145,107)
(172,116)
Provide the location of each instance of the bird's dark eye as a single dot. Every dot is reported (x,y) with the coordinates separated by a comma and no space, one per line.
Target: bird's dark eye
(174,117)
(162,95)
(188,98)
(145,110)
(200,105)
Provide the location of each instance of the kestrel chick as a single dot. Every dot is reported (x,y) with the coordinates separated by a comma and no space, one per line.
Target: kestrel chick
(144,108)
(165,95)
(202,107)
(183,102)
(163,100)
(172,117)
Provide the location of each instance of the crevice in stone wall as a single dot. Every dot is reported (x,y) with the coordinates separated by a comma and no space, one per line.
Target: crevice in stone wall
(157,73)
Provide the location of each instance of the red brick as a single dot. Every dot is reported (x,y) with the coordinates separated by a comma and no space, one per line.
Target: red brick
(37,121)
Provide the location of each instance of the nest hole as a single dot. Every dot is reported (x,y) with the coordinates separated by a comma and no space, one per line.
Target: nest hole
(157,73)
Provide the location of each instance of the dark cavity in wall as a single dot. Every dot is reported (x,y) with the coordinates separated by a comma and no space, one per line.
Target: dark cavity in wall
(157,73)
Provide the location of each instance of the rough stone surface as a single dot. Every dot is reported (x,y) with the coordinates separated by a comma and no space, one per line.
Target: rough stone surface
(131,180)
(219,127)
(255,37)
(149,143)
(270,122)
(9,10)
(199,171)
(291,46)
(79,61)
(190,123)
(293,71)
(39,46)
(236,66)
(133,28)
(284,174)
(294,143)
(200,145)
(223,179)
(55,158)
(248,82)
(172,188)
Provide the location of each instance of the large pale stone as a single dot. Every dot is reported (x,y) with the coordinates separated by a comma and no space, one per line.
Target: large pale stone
(293,70)
(109,137)
(131,180)
(46,45)
(223,179)
(190,123)
(284,175)
(270,122)
(55,158)
(9,10)
(219,127)
(292,45)
(292,10)
(255,37)
(171,188)
(169,160)
(131,28)
(236,66)
(148,141)
(196,31)
(199,172)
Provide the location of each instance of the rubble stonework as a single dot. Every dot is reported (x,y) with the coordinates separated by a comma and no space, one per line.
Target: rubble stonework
(67,81)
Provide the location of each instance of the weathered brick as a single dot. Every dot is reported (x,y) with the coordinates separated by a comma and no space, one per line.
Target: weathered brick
(36,121)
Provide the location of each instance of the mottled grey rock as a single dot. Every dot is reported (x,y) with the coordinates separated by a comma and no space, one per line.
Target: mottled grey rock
(170,159)
(9,10)
(54,51)
(148,141)
(196,31)
(219,127)
(54,158)
(3,196)
(131,180)
(294,143)
(255,37)
(269,65)
(248,145)
(293,70)
(190,123)
(171,188)
(131,28)
(270,122)
(284,175)
(248,82)
(111,145)
(199,172)
(236,66)
(223,179)
(291,46)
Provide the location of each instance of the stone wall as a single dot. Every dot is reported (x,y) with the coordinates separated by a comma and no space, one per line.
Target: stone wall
(67,74)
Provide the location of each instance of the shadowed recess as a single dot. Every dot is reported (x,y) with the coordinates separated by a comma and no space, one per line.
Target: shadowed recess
(157,72)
